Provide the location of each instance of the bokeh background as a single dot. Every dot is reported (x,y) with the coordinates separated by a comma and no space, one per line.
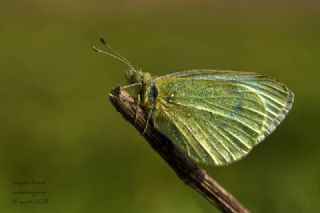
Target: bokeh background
(58,126)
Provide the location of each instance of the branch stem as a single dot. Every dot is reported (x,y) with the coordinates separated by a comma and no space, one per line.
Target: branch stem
(186,169)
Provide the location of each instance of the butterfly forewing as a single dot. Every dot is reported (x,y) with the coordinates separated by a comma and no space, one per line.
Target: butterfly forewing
(217,117)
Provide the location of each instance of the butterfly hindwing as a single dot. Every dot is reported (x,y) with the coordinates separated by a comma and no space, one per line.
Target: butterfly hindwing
(217,117)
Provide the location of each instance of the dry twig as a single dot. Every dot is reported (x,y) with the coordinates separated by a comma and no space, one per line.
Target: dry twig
(187,170)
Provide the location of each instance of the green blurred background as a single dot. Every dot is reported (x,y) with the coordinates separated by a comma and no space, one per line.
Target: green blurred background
(58,126)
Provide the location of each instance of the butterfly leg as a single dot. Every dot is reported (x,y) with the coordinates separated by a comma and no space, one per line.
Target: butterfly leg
(136,113)
(138,102)
(147,123)
(131,85)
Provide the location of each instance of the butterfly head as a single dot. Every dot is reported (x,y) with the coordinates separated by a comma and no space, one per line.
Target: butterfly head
(137,76)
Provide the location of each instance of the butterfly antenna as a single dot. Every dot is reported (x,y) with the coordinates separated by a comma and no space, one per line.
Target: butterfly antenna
(114,54)
(110,54)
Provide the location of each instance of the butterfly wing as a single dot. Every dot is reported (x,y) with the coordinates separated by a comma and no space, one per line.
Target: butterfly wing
(217,117)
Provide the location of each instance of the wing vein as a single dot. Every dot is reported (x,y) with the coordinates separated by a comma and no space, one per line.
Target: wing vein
(219,114)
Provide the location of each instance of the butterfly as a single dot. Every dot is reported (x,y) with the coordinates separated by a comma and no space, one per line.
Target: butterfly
(215,117)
